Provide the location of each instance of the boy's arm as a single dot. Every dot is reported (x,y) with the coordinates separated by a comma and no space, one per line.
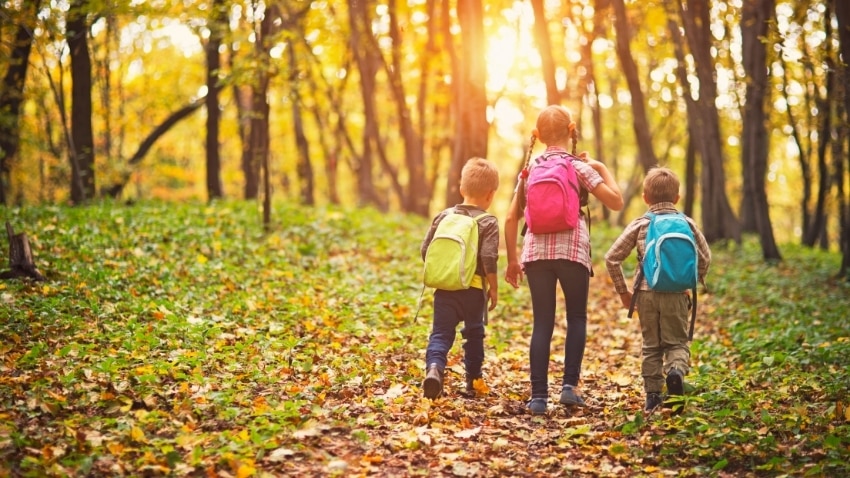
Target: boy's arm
(490,259)
(489,253)
(617,253)
(429,236)
(492,289)
(704,252)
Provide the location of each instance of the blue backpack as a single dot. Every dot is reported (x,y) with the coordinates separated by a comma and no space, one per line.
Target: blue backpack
(670,261)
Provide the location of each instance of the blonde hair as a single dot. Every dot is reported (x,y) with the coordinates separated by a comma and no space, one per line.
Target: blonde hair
(660,185)
(478,177)
(554,124)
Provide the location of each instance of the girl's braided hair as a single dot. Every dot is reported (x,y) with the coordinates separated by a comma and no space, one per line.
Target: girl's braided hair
(553,123)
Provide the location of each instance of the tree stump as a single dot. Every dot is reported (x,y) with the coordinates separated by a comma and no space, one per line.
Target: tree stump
(20,257)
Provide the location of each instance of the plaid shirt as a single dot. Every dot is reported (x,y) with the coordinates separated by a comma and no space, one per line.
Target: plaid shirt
(572,245)
(634,235)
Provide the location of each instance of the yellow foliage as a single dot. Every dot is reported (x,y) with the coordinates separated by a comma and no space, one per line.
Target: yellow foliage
(137,435)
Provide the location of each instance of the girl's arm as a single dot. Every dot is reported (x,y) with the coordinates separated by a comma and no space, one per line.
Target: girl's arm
(607,191)
(513,274)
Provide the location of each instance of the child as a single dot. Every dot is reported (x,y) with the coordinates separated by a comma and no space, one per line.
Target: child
(478,184)
(663,315)
(559,257)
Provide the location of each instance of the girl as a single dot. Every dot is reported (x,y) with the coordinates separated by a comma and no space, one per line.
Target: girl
(557,258)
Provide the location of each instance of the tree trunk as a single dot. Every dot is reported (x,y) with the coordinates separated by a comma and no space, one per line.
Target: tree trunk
(690,176)
(591,86)
(471,99)
(332,144)
(640,122)
(218,24)
(842,15)
(260,134)
(20,257)
(803,150)
(417,197)
(816,232)
(367,64)
(12,92)
(452,89)
(756,19)
(544,47)
(304,167)
(81,149)
(108,149)
(718,221)
(253,157)
(424,100)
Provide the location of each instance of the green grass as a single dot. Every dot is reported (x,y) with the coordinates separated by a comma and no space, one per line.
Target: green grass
(182,339)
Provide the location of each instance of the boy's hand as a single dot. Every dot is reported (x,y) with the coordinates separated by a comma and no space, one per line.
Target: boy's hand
(626,299)
(493,295)
(513,274)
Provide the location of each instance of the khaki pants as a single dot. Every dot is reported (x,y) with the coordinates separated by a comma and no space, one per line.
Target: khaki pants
(664,322)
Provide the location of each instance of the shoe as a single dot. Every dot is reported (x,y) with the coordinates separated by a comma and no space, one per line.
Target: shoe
(433,383)
(653,399)
(537,406)
(569,396)
(675,382)
(470,391)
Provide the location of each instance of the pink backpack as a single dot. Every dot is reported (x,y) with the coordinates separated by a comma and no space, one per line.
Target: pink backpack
(553,201)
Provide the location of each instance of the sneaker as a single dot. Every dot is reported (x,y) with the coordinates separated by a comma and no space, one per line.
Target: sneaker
(569,396)
(433,383)
(675,382)
(653,399)
(537,406)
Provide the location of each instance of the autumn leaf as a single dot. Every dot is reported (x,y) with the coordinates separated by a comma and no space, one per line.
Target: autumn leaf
(469,433)
(137,435)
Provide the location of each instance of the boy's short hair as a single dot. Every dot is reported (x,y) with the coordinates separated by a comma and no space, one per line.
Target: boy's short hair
(661,185)
(478,177)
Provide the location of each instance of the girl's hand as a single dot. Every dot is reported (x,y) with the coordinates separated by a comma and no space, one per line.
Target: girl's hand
(513,274)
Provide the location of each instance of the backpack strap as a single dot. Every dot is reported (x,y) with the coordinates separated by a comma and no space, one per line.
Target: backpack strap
(693,306)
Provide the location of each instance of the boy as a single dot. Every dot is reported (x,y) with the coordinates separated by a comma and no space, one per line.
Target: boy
(663,316)
(478,184)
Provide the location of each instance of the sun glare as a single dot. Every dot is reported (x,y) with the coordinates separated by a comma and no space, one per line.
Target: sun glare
(510,51)
(511,45)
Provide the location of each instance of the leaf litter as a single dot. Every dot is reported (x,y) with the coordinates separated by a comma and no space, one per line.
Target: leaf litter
(296,353)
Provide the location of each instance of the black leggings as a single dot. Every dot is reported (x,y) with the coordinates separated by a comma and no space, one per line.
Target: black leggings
(574,278)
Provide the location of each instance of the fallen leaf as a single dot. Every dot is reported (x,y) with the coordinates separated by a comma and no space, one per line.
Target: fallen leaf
(469,433)
(137,435)
(394,392)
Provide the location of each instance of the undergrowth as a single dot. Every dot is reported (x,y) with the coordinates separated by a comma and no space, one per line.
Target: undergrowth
(183,339)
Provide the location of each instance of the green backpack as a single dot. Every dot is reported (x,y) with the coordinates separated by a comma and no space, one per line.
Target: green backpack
(452,256)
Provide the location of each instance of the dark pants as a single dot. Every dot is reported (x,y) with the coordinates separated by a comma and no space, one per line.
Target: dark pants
(543,276)
(450,309)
